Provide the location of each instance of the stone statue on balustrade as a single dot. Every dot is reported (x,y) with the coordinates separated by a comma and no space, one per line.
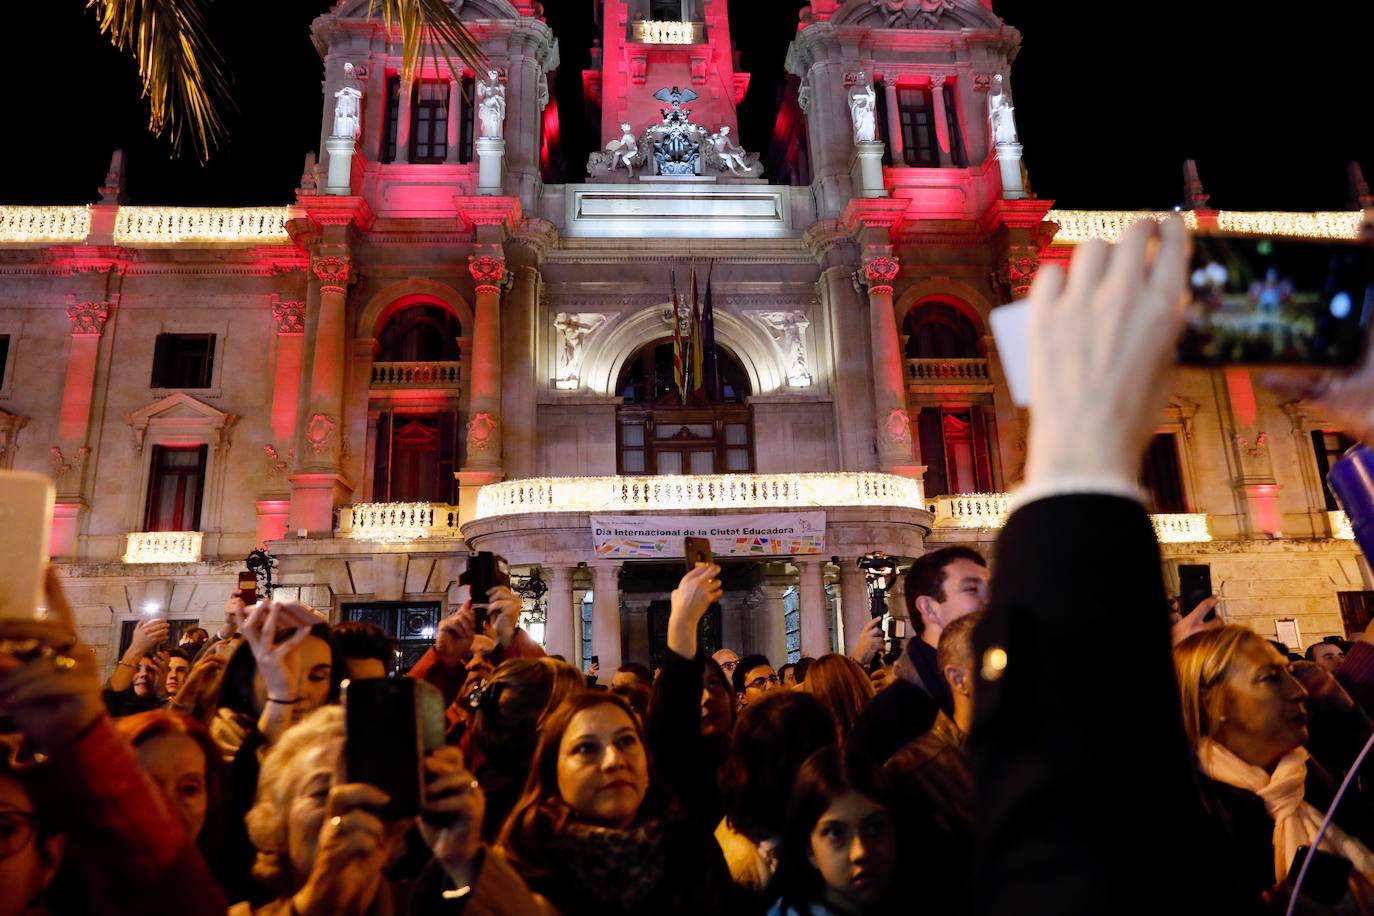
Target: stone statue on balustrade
(626,151)
(720,152)
(1001,114)
(348,107)
(863,109)
(491,105)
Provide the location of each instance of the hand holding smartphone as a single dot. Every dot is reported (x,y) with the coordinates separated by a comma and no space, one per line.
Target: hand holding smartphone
(485,571)
(390,724)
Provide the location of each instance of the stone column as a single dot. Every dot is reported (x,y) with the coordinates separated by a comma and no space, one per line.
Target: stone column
(403,103)
(483,461)
(772,625)
(318,484)
(868,170)
(942,140)
(606,615)
(854,603)
(895,448)
(560,633)
(288,317)
(894,122)
(637,621)
(815,631)
(455,119)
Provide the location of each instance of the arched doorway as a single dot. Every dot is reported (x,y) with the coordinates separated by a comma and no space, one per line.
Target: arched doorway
(659,434)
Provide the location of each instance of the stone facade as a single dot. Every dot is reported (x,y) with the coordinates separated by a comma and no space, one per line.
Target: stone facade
(815,270)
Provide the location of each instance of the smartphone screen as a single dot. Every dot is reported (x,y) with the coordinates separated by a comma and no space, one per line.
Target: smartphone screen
(696,550)
(248,588)
(384,741)
(1276,301)
(485,570)
(1194,587)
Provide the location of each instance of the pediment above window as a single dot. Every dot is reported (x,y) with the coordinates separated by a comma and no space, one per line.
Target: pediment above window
(181,418)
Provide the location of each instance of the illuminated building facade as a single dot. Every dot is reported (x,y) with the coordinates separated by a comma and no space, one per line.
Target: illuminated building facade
(434,349)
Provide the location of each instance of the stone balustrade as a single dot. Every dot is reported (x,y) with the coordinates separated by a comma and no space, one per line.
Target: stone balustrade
(735,492)
(971,510)
(397,523)
(920,371)
(416,375)
(665,32)
(163,547)
(1182,528)
(186,225)
(44,224)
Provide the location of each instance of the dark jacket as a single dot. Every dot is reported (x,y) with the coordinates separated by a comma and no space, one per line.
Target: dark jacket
(120,703)
(1087,797)
(898,715)
(682,759)
(497,890)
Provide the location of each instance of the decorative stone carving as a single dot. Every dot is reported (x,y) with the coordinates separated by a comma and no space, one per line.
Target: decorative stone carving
(788,330)
(491,105)
(542,90)
(10,424)
(898,427)
(289,317)
(488,272)
(574,328)
(626,151)
(879,273)
(722,154)
(348,107)
(278,466)
(676,142)
(982,82)
(334,273)
(804,95)
(928,14)
(480,431)
(863,109)
(88,318)
(1001,113)
(310,181)
(1253,449)
(320,432)
(76,467)
(1018,270)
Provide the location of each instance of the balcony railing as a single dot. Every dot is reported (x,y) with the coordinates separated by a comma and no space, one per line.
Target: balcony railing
(181,225)
(947,370)
(660,32)
(990,510)
(1341,529)
(163,547)
(416,375)
(706,491)
(397,523)
(44,224)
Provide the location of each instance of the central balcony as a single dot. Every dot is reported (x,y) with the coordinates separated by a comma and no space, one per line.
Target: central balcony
(988,511)
(397,523)
(416,375)
(163,547)
(666,32)
(958,371)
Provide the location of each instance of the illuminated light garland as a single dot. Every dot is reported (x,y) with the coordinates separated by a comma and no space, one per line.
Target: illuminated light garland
(45,224)
(163,547)
(661,32)
(1182,528)
(179,225)
(971,510)
(398,523)
(1341,529)
(1108,225)
(735,492)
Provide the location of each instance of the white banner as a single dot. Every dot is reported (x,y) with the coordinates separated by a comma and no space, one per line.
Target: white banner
(777,534)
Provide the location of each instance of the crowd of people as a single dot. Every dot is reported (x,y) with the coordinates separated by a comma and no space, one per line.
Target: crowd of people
(1033,748)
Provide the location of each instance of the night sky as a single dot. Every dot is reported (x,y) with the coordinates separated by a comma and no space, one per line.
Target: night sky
(1111,97)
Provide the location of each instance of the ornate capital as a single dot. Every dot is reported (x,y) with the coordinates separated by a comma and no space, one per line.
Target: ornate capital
(88,318)
(334,273)
(1019,268)
(289,317)
(937,80)
(879,273)
(488,272)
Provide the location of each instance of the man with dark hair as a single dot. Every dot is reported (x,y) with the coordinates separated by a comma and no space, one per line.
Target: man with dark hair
(193,638)
(632,673)
(364,647)
(787,675)
(941,587)
(1326,654)
(799,673)
(753,677)
(178,666)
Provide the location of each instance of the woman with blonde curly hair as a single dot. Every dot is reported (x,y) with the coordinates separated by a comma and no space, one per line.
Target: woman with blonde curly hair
(1246,719)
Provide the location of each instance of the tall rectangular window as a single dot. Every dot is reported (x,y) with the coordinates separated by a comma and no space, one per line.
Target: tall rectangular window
(955,451)
(183,361)
(416,458)
(880,119)
(666,10)
(917,115)
(4,356)
(1162,476)
(393,117)
(956,137)
(175,487)
(429,122)
(1329,447)
(465,126)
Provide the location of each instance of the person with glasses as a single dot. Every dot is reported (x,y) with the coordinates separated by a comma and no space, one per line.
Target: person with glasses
(754,676)
(30,852)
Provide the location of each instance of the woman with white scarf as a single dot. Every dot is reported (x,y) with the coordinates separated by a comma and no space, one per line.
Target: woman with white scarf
(1246,718)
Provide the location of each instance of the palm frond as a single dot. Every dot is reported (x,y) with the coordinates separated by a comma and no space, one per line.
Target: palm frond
(183,76)
(433,22)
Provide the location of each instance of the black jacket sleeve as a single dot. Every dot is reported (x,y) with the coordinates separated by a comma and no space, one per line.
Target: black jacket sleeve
(673,730)
(1087,797)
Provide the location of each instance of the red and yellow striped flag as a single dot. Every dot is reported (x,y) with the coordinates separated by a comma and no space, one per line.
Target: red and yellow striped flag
(698,346)
(678,362)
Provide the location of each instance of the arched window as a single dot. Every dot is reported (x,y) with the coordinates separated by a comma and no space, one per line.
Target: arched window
(936,330)
(659,434)
(420,333)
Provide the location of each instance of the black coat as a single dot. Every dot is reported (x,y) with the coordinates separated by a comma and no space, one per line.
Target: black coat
(1087,800)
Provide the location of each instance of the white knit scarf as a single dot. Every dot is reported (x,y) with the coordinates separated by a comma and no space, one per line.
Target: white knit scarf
(1295,821)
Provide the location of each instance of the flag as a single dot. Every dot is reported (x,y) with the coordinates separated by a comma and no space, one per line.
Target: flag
(679,363)
(698,351)
(710,366)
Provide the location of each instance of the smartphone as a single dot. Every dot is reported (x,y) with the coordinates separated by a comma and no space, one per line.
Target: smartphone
(248,588)
(484,572)
(595,661)
(26,501)
(390,724)
(1194,587)
(1261,301)
(696,550)
(1328,877)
